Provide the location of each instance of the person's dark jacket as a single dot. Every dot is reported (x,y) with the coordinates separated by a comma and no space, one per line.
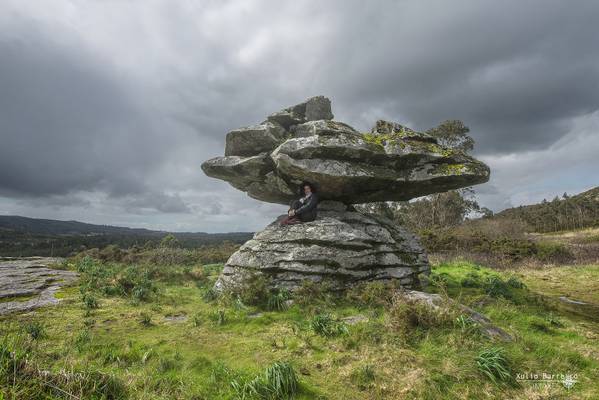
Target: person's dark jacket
(307,212)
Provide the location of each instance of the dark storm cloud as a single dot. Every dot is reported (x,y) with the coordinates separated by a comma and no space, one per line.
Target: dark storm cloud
(515,72)
(69,124)
(118,103)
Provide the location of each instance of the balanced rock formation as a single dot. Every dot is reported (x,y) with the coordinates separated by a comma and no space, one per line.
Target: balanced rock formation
(341,246)
(391,162)
(302,142)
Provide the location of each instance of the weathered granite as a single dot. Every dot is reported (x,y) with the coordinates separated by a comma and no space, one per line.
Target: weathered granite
(27,277)
(390,163)
(303,142)
(342,247)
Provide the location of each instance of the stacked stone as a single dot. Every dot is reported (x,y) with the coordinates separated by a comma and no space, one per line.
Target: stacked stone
(269,160)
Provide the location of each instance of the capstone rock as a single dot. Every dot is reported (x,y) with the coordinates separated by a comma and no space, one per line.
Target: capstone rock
(391,162)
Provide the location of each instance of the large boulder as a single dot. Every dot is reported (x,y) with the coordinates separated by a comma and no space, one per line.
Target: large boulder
(255,139)
(342,247)
(302,142)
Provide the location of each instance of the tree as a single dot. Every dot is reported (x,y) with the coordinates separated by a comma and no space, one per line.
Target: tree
(170,241)
(453,133)
(437,210)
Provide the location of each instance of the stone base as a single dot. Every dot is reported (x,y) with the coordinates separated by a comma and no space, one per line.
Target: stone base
(341,247)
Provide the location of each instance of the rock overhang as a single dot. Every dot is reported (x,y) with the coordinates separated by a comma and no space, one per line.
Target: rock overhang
(303,142)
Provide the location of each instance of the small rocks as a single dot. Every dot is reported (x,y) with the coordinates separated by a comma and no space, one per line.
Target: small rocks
(355,319)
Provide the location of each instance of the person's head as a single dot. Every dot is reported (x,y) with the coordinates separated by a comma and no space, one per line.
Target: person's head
(307,188)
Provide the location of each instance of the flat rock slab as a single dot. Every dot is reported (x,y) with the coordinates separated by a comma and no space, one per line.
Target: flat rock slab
(30,277)
(390,163)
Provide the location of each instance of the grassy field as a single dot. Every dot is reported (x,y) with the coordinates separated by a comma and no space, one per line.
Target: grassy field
(157,332)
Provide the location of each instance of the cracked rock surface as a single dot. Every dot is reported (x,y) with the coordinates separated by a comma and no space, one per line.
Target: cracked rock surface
(269,160)
(303,142)
(30,278)
(340,247)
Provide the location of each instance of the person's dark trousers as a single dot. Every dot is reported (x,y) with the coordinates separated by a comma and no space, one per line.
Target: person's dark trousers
(295,204)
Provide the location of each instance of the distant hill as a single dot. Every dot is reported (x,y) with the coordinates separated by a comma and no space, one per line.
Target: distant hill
(56,227)
(23,236)
(562,213)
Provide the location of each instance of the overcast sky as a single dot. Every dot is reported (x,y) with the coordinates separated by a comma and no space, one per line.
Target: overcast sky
(108,108)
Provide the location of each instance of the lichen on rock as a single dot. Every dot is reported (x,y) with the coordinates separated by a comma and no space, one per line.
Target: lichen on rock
(302,142)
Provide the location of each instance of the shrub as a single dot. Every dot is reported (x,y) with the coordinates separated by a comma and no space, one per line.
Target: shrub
(36,330)
(496,287)
(406,315)
(515,282)
(277,301)
(170,241)
(112,252)
(472,280)
(219,317)
(363,376)
(310,292)
(553,252)
(254,289)
(90,301)
(278,381)
(145,318)
(493,364)
(376,293)
(325,325)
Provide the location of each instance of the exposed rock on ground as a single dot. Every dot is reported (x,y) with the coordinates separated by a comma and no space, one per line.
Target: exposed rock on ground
(437,302)
(30,278)
(341,247)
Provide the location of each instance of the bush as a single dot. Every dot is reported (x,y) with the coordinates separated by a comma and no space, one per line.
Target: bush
(407,315)
(311,292)
(496,287)
(277,300)
(254,289)
(36,330)
(553,252)
(376,293)
(170,241)
(472,280)
(325,325)
(278,381)
(90,301)
(145,319)
(363,376)
(493,364)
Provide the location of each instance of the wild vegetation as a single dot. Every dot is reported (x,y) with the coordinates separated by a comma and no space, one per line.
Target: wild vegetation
(152,327)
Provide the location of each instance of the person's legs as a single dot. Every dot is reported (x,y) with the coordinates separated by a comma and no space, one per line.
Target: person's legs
(295,204)
(290,221)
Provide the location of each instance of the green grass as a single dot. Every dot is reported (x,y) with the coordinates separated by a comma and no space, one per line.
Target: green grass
(224,350)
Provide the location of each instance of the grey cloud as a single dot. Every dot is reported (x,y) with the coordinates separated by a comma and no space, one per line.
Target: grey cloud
(103,98)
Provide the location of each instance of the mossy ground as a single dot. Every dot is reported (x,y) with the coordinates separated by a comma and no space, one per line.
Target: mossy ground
(193,348)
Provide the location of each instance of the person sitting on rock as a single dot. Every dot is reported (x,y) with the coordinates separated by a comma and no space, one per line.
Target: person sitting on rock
(304,209)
